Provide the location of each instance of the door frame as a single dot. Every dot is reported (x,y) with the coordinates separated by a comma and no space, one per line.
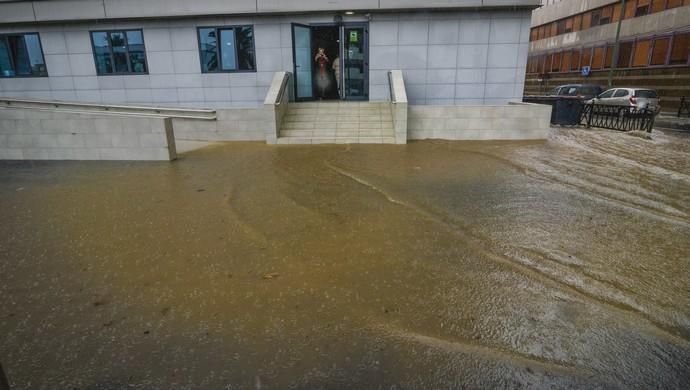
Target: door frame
(365,26)
(341,57)
(294,61)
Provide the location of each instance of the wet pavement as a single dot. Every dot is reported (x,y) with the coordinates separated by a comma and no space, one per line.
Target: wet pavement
(557,264)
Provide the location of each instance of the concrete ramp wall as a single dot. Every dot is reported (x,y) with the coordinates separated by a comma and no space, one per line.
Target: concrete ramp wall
(30,134)
(515,121)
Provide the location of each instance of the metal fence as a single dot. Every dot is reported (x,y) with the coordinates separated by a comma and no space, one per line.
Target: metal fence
(617,118)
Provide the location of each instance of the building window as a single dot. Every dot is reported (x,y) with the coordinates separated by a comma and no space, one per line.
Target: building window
(642,7)
(630,9)
(21,55)
(609,56)
(596,17)
(119,52)
(227,49)
(577,22)
(575,60)
(680,50)
(606,15)
(598,58)
(556,62)
(641,55)
(586,57)
(659,51)
(658,5)
(624,55)
(565,61)
(586,20)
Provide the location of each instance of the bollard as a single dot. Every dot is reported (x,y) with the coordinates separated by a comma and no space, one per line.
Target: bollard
(4,383)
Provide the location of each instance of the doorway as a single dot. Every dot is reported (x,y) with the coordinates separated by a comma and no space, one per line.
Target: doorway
(331,61)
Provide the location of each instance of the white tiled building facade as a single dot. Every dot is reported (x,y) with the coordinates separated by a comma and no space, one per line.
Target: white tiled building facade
(456,56)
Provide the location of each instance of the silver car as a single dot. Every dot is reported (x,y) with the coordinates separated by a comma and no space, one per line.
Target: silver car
(629,97)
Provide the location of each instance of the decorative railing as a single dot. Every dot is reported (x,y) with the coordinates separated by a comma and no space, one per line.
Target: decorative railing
(617,117)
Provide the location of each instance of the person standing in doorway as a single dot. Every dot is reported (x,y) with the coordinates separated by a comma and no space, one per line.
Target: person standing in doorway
(322,79)
(336,72)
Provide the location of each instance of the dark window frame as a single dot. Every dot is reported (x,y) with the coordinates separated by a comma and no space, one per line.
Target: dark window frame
(110,49)
(43,57)
(220,57)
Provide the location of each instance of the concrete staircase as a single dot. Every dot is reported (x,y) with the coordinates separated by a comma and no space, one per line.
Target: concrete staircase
(337,122)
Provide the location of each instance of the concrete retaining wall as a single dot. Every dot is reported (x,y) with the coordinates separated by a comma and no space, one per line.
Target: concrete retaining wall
(30,134)
(233,124)
(516,121)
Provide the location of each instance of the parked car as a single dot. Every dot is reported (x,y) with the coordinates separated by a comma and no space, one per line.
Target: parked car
(640,98)
(585,91)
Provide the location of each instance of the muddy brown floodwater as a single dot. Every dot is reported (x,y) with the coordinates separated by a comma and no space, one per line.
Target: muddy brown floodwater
(557,264)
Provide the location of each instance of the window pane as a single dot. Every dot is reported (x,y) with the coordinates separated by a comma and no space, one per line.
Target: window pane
(607,94)
(596,15)
(586,20)
(630,8)
(660,50)
(208,46)
(137,54)
(20,55)
(609,56)
(33,47)
(598,58)
(658,5)
(575,60)
(642,7)
(556,62)
(547,64)
(118,44)
(616,13)
(621,93)
(101,51)
(540,64)
(565,61)
(606,15)
(646,93)
(577,23)
(586,57)
(245,48)
(227,49)
(624,55)
(6,68)
(641,55)
(681,49)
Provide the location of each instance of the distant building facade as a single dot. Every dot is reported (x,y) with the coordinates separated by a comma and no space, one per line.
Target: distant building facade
(217,54)
(572,41)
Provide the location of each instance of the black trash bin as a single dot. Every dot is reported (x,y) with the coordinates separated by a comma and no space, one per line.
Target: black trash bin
(567,111)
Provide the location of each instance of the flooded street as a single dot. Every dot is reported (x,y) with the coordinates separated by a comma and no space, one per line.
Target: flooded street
(557,264)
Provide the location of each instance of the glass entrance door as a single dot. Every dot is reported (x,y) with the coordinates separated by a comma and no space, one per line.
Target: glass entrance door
(301,38)
(355,61)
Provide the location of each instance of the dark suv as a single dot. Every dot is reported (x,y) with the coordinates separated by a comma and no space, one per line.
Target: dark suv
(585,91)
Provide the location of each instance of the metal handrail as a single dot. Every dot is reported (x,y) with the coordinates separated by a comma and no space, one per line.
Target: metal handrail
(197,113)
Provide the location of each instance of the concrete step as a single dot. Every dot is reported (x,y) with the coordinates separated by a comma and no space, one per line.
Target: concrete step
(336,133)
(337,122)
(335,140)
